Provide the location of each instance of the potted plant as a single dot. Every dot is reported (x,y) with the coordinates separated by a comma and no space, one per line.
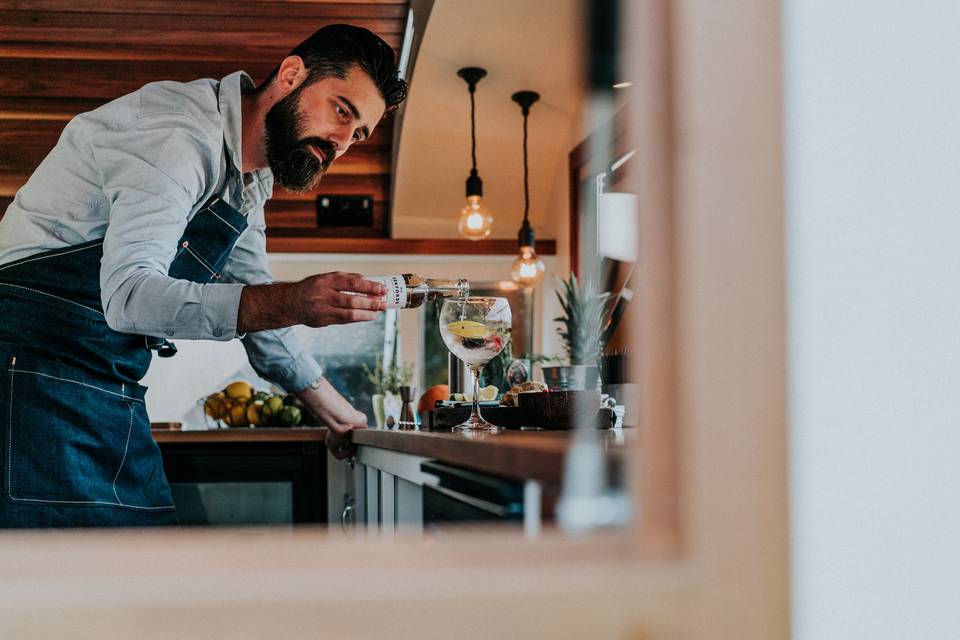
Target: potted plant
(386,388)
(586,314)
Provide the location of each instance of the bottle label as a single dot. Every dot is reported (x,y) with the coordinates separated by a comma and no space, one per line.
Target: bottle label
(396,296)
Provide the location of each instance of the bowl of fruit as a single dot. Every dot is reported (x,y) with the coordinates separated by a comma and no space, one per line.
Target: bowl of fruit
(239,404)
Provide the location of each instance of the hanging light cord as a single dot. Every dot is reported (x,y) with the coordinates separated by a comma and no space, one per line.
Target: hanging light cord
(473,129)
(526,186)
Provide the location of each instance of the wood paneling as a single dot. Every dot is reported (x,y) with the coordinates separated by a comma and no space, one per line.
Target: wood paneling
(307,241)
(61,58)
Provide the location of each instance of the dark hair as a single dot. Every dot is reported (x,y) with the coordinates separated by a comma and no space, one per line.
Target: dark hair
(333,50)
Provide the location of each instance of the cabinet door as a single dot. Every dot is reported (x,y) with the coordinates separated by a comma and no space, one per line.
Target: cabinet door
(345,495)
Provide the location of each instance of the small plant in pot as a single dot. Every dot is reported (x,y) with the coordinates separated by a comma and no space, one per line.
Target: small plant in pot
(586,314)
(386,386)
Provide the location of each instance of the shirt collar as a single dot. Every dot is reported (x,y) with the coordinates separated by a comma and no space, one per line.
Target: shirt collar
(228,98)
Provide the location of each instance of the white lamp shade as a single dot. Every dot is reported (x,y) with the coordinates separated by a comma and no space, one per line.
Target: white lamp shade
(617,226)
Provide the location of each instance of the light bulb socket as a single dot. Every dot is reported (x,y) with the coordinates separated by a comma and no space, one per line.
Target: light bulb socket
(472,75)
(474,184)
(525,99)
(526,235)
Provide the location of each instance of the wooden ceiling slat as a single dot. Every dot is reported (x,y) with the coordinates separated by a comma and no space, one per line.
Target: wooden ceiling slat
(340,10)
(139,52)
(283,40)
(24,143)
(44,132)
(61,109)
(106,78)
(303,215)
(14,22)
(375,186)
(355,167)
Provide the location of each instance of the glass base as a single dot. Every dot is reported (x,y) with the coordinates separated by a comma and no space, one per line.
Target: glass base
(474,424)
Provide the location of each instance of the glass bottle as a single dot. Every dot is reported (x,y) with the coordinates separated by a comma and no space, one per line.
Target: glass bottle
(409,290)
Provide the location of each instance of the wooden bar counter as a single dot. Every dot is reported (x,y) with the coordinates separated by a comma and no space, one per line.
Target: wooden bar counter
(519,455)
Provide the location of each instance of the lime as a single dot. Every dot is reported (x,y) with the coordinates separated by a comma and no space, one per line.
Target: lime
(290,416)
(271,408)
(468,329)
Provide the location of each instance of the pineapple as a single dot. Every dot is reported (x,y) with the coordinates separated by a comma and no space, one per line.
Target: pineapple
(586,315)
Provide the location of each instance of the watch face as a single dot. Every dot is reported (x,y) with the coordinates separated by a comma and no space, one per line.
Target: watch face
(518,371)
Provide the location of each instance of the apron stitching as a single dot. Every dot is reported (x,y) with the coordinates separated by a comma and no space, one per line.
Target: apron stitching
(224,221)
(47,375)
(202,262)
(44,293)
(126,448)
(12,370)
(49,255)
(103,502)
(13,364)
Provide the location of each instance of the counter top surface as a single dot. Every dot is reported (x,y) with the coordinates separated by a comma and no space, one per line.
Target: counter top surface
(519,455)
(258,434)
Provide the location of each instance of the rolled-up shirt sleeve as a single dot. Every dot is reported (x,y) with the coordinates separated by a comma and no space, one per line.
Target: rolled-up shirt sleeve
(153,172)
(277,355)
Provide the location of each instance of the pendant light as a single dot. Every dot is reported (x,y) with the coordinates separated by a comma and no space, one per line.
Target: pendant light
(528,268)
(476,220)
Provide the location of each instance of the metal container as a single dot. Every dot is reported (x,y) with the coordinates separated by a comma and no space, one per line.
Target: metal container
(576,377)
(459,376)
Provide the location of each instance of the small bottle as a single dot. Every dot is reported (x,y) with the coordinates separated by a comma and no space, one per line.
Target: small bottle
(408,290)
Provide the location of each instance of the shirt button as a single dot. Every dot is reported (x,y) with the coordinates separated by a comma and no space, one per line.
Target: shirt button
(169,332)
(217,332)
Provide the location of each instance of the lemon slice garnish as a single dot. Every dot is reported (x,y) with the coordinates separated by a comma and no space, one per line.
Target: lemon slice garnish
(468,329)
(487,394)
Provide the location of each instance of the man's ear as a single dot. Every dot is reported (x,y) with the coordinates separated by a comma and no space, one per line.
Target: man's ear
(291,74)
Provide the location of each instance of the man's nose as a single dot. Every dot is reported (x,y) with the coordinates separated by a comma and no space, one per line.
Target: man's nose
(342,139)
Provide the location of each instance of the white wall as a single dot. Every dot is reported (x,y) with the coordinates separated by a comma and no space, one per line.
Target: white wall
(873,130)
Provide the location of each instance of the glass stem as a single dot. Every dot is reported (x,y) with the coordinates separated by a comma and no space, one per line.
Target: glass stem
(475,414)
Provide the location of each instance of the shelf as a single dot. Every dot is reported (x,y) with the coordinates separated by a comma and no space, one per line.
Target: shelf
(431,246)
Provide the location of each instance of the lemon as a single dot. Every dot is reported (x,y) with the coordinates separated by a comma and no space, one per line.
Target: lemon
(237,416)
(487,393)
(213,406)
(468,329)
(253,415)
(241,389)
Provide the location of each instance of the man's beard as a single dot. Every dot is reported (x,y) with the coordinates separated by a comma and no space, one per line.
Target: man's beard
(294,165)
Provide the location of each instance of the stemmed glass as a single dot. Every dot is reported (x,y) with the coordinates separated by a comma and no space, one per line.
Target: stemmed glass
(475,330)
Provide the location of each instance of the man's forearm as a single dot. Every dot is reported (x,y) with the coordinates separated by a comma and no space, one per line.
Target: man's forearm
(316,301)
(267,306)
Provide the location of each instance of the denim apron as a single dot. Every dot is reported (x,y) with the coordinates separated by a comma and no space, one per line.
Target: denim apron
(76,442)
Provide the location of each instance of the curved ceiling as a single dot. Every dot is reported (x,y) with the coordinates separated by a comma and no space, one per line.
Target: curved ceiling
(523,44)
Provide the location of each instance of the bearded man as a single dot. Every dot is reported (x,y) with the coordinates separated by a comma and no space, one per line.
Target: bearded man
(145,222)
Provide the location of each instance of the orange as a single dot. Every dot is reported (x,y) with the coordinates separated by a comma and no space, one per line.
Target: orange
(429,398)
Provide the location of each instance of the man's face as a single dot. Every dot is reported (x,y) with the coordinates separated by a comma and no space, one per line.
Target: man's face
(316,124)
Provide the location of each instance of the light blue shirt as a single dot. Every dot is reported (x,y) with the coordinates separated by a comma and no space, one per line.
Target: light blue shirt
(134,172)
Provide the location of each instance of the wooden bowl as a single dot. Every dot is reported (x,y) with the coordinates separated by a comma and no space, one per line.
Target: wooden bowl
(559,409)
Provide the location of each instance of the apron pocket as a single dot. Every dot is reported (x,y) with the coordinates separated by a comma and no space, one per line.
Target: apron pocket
(74,439)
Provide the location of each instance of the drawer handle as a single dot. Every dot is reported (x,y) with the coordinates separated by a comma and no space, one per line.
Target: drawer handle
(345,514)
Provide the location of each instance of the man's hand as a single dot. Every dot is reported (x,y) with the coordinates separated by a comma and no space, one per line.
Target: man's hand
(316,301)
(333,410)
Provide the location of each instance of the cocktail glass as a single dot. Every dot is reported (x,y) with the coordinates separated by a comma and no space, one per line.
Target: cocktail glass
(476,330)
